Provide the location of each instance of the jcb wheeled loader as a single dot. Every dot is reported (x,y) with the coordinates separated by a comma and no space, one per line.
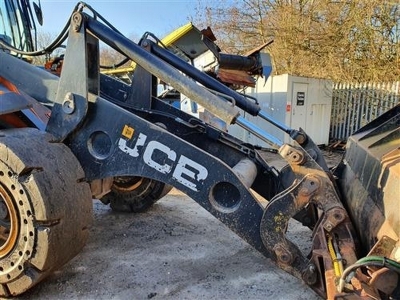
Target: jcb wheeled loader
(65,140)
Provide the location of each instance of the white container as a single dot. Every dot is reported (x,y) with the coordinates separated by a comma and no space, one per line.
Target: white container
(298,102)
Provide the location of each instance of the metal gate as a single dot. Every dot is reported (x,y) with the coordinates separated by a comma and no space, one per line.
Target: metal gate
(354,105)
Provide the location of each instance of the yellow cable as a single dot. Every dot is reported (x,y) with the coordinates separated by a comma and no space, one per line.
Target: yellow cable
(336,266)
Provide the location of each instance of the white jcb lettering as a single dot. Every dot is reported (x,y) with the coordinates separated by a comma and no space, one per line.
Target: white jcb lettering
(162,159)
(181,169)
(134,152)
(148,153)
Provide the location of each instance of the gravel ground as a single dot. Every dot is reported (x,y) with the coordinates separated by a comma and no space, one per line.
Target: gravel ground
(176,250)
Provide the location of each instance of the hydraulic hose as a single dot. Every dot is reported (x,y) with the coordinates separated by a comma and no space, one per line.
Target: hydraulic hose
(48,49)
(334,257)
(377,261)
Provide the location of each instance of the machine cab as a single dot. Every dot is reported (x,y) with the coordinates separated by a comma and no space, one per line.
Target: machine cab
(17,24)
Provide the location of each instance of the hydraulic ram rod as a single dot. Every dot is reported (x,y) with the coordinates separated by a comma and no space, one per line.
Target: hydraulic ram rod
(224,110)
(204,79)
(211,83)
(158,67)
(265,136)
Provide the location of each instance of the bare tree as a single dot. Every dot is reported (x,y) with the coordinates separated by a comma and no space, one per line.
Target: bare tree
(108,56)
(337,39)
(44,39)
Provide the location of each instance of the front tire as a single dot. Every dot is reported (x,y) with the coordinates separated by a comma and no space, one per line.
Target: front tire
(45,210)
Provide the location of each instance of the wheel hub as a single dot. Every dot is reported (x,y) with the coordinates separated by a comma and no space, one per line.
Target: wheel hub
(9,228)
(127,184)
(3,211)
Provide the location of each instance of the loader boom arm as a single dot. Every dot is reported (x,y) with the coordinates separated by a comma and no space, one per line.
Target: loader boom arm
(172,160)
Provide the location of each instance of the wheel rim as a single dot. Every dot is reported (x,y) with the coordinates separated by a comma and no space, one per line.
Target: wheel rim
(9,228)
(127,184)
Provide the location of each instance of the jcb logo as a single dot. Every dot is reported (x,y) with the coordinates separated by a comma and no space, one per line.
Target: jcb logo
(183,169)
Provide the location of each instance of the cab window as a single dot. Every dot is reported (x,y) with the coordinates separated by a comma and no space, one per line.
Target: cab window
(15,24)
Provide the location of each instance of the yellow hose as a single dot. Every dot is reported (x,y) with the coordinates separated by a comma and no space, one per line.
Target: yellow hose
(336,266)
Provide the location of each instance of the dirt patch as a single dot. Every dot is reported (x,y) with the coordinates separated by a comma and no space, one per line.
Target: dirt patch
(176,250)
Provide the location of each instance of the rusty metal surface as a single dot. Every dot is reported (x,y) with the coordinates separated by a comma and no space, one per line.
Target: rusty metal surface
(236,77)
(312,186)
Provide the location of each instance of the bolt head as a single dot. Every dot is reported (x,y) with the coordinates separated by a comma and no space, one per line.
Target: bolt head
(68,105)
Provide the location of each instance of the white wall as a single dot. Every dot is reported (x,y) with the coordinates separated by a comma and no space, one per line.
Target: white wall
(295,101)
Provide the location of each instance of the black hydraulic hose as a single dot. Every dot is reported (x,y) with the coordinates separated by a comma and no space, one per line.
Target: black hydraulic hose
(204,79)
(55,44)
(213,84)
(62,37)
(97,15)
(48,49)
(162,70)
(121,63)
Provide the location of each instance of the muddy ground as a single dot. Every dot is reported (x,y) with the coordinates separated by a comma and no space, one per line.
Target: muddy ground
(176,250)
